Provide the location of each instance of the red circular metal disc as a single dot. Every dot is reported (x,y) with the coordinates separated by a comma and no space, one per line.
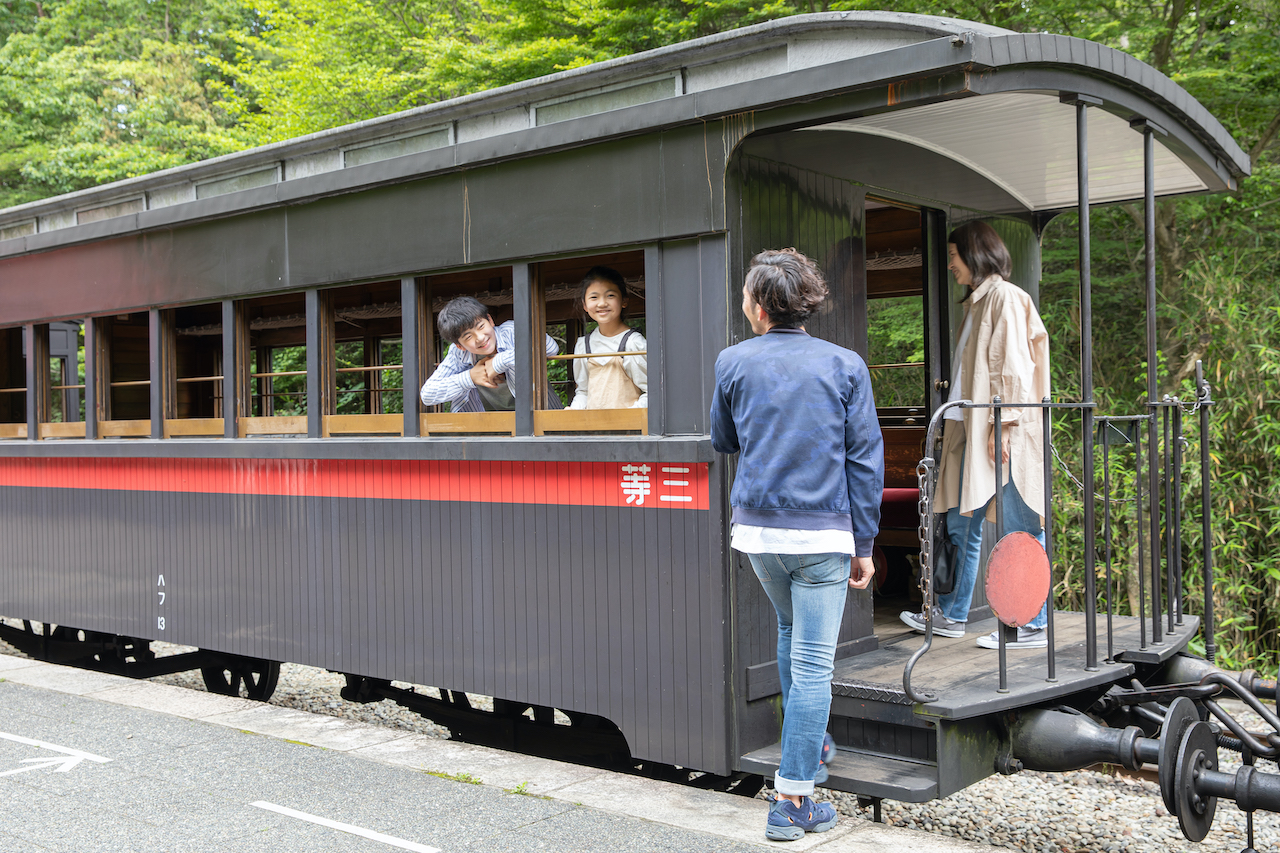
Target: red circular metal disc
(1017,578)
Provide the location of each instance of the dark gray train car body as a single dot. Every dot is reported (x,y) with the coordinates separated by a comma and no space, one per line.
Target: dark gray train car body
(586,573)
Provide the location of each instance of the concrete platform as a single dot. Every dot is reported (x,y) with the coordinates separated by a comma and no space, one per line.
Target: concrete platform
(100,762)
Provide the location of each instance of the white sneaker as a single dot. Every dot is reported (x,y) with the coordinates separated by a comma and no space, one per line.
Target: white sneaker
(1028,638)
(942,626)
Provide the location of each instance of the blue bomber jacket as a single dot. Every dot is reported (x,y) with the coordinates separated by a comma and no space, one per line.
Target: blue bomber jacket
(800,414)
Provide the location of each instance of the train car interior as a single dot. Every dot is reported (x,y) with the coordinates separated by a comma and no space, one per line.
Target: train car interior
(13,385)
(361,350)
(562,317)
(123,359)
(277,341)
(196,377)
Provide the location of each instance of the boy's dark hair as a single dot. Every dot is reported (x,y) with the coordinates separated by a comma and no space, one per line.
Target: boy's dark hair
(459,316)
(595,274)
(787,285)
(982,251)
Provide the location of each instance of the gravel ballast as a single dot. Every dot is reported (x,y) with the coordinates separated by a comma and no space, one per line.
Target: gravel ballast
(1034,812)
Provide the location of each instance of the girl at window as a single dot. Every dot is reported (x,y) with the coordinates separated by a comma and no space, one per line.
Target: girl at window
(610,381)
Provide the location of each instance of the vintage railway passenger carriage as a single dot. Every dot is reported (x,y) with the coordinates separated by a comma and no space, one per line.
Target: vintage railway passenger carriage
(245,468)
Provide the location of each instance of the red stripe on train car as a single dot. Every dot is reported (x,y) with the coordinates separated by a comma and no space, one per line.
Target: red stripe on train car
(635,484)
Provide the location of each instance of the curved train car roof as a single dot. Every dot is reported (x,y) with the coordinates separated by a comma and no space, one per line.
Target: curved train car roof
(985,105)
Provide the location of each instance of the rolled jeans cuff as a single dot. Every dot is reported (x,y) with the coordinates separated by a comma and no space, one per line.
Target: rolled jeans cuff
(791,787)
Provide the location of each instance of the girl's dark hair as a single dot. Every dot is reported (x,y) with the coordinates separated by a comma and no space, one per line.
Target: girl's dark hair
(787,285)
(607,274)
(982,251)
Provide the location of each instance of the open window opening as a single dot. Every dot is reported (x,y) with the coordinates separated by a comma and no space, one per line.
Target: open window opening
(13,385)
(65,415)
(600,375)
(277,352)
(450,408)
(123,363)
(367,387)
(194,392)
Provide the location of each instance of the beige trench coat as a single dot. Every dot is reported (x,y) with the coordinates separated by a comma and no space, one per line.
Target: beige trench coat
(1007,355)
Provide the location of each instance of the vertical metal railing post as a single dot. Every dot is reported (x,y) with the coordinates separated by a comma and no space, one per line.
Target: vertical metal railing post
(1106,530)
(1175,521)
(1160,545)
(1148,131)
(1086,383)
(1205,400)
(1047,423)
(1137,510)
(999,498)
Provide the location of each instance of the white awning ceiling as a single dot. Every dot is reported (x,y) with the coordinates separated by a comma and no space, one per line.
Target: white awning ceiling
(1025,143)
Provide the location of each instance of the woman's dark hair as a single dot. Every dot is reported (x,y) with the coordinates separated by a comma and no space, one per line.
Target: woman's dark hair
(982,251)
(459,316)
(606,274)
(787,285)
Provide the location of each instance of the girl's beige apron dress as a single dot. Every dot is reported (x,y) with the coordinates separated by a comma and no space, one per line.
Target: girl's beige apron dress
(609,386)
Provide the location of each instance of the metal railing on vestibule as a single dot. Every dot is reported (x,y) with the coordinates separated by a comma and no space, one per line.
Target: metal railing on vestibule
(1164,448)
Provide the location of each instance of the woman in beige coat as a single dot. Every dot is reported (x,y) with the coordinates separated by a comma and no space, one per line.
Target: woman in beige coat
(1003,351)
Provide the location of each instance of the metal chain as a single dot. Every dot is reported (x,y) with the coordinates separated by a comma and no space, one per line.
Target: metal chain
(924,481)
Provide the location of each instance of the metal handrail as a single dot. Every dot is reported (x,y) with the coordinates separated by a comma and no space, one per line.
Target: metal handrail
(925,474)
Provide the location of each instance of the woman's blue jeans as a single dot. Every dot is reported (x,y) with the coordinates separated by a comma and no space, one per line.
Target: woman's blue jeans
(966,535)
(808,592)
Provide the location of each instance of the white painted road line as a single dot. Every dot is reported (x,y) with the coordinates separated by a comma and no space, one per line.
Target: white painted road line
(346,827)
(73,756)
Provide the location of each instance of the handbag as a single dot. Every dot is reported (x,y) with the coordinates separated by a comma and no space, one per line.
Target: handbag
(945,556)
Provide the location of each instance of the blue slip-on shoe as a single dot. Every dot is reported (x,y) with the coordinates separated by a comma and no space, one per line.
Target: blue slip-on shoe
(788,822)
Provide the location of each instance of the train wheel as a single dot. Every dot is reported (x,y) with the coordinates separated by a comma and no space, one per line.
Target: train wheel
(257,677)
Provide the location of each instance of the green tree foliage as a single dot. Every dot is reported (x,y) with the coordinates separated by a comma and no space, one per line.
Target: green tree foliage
(92,92)
(312,64)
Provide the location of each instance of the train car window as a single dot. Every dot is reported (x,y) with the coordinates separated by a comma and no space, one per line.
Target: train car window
(13,385)
(64,415)
(193,393)
(367,395)
(278,355)
(460,416)
(616,404)
(896,334)
(123,382)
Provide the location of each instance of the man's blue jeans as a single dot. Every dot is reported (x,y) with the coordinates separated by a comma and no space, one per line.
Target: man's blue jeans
(966,535)
(808,592)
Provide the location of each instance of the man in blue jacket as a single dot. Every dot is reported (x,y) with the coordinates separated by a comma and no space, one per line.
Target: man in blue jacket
(806,503)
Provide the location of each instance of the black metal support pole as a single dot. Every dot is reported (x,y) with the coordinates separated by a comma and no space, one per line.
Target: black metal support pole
(1175,550)
(999,498)
(1137,509)
(999,461)
(1086,386)
(1106,532)
(1204,398)
(1153,366)
(1048,531)
(1157,593)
